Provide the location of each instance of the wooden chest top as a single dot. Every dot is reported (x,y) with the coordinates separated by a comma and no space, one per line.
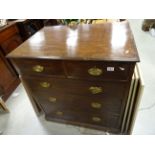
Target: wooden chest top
(108,42)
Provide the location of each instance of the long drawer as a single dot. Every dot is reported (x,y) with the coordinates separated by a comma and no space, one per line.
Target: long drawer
(55,102)
(96,120)
(77,87)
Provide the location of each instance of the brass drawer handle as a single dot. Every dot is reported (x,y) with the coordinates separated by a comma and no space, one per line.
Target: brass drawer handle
(38,68)
(96,105)
(45,84)
(95,71)
(52,99)
(59,113)
(95,90)
(96,119)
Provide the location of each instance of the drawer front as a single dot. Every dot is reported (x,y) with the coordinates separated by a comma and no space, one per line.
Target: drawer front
(93,105)
(31,67)
(97,70)
(7,77)
(107,121)
(7,33)
(77,87)
(11,43)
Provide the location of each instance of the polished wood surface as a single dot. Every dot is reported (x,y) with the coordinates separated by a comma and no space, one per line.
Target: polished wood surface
(79,75)
(8,31)
(109,41)
(8,78)
(11,43)
(9,40)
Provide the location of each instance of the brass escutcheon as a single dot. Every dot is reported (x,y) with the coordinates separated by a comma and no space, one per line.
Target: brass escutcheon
(95,71)
(96,105)
(95,90)
(38,68)
(96,119)
(45,84)
(60,113)
(52,99)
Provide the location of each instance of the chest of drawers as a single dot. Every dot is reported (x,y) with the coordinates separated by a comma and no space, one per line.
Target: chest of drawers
(79,75)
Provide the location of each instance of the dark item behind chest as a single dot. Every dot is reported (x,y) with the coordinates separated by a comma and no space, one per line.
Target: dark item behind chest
(147,24)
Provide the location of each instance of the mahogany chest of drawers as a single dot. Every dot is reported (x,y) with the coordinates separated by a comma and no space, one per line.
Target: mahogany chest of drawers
(79,75)
(9,40)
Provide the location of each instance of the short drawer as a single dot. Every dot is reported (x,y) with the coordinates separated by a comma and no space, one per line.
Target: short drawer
(92,105)
(39,67)
(107,121)
(98,70)
(77,87)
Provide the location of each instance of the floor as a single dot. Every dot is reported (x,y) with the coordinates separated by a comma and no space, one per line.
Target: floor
(22,119)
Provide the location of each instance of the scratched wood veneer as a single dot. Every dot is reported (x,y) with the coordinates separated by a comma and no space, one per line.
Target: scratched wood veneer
(79,75)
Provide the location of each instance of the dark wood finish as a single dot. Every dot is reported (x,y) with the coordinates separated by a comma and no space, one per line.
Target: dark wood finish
(8,32)
(54,68)
(84,42)
(110,121)
(67,68)
(79,75)
(77,87)
(11,43)
(8,78)
(78,103)
(9,40)
(110,70)
(71,120)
